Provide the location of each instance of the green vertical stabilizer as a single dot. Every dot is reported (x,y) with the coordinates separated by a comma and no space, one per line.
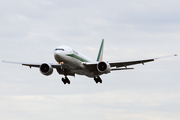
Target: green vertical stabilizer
(100,55)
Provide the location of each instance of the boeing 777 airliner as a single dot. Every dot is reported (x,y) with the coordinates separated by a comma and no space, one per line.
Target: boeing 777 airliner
(71,62)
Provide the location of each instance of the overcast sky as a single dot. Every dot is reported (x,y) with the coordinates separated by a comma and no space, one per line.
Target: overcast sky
(30,30)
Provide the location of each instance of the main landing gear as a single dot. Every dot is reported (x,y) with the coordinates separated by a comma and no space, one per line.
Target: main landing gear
(66,80)
(97,79)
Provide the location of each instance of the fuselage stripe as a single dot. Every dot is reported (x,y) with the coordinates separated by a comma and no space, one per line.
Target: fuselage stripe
(77,57)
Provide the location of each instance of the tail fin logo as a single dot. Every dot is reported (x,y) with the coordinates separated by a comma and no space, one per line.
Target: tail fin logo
(100,55)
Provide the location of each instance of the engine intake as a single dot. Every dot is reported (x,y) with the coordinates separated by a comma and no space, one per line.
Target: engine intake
(103,67)
(46,69)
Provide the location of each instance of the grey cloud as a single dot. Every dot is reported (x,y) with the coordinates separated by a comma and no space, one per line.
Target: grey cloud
(30,30)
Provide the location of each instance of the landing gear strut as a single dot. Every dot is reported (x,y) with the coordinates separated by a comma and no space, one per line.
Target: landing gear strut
(97,79)
(65,80)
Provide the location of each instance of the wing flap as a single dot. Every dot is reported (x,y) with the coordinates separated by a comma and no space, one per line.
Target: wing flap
(54,65)
(128,63)
(121,69)
(134,62)
(24,63)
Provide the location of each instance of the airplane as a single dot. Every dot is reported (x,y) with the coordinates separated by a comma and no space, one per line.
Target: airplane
(71,62)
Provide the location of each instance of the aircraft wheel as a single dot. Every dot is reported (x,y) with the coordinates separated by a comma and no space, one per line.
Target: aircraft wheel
(97,79)
(100,80)
(63,80)
(67,80)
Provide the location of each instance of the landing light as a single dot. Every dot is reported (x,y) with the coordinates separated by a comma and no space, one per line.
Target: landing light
(61,63)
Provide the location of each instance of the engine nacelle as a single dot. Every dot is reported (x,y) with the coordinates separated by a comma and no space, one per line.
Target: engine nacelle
(46,69)
(103,67)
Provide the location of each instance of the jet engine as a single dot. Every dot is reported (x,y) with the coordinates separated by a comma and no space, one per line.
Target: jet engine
(46,69)
(103,67)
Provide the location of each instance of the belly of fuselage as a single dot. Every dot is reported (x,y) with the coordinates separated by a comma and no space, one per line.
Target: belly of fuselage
(78,67)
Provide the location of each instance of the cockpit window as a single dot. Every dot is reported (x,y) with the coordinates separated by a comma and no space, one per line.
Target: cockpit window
(59,49)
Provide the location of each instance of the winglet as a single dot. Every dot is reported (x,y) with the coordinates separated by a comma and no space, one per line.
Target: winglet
(100,55)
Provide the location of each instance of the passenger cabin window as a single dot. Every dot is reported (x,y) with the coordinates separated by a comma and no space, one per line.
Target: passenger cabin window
(59,49)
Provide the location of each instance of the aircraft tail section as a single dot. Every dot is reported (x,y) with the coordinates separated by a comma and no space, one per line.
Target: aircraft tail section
(100,55)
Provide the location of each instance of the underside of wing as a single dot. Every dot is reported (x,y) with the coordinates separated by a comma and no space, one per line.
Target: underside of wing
(47,68)
(128,63)
(25,63)
(54,65)
(118,64)
(91,66)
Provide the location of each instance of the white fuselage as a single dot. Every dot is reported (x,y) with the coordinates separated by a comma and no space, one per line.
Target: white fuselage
(72,59)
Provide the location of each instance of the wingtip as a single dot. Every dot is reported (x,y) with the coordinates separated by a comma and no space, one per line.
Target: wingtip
(4,61)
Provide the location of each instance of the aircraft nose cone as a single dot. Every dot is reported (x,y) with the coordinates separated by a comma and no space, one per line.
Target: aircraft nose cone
(57,56)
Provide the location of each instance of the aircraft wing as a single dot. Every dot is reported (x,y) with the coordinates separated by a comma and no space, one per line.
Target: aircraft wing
(119,64)
(128,63)
(116,64)
(54,65)
(133,62)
